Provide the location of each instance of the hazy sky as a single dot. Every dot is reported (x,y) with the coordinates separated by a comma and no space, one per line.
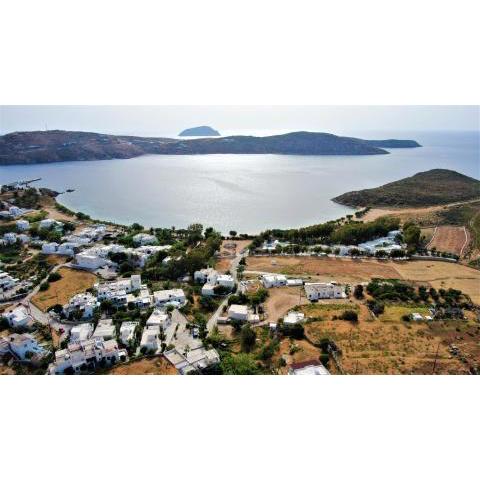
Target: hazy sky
(170,120)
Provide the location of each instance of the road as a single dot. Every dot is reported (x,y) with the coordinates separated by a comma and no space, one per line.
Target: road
(212,322)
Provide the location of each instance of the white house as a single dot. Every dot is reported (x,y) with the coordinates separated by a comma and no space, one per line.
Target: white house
(10,237)
(83,302)
(68,248)
(82,332)
(24,346)
(270,281)
(151,338)
(18,317)
(141,298)
(117,291)
(193,360)
(144,239)
(309,367)
(50,248)
(86,356)
(90,260)
(226,281)
(49,223)
(105,329)
(158,318)
(7,281)
(24,238)
(175,297)
(417,317)
(238,312)
(127,332)
(208,275)
(316,291)
(208,290)
(22,225)
(294,282)
(293,317)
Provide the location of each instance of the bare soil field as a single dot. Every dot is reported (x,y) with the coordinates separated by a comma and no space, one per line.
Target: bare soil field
(344,270)
(71,283)
(145,366)
(281,300)
(6,370)
(443,275)
(449,239)
(376,347)
(295,351)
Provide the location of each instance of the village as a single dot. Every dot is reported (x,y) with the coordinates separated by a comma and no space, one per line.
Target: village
(79,296)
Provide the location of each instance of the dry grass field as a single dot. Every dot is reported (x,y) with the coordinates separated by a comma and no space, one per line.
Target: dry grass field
(145,366)
(449,239)
(71,283)
(345,270)
(281,300)
(394,347)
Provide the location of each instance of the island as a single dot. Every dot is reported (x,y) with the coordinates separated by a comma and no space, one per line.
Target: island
(61,146)
(202,131)
(434,187)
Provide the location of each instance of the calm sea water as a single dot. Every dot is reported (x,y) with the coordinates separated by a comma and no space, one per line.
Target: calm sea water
(246,193)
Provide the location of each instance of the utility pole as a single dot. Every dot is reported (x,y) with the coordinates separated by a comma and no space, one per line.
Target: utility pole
(436,356)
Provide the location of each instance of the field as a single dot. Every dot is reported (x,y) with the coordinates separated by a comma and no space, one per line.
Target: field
(281,300)
(223,263)
(393,313)
(397,347)
(344,270)
(145,366)
(449,239)
(71,283)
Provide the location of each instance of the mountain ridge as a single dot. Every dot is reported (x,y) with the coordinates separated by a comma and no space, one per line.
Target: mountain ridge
(60,145)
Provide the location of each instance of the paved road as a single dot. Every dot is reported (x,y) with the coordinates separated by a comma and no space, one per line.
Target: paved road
(212,322)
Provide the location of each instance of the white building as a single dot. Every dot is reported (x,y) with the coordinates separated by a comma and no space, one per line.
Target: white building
(159,318)
(316,291)
(204,275)
(270,281)
(294,282)
(144,239)
(127,332)
(117,291)
(90,260)
(417,317)
(226,281)
(151,338)
(141,298)
(7,282)
(22,225)
(10,237)
(24,238)
(293,317)
(87,356)
(309,367)
(83,302)
(175,297)
(50,248)
(18,317)
(49,223)
(238,312)
(68,248)
(82,332)
(24,346)
(193,360)
(208,290)
(105,329)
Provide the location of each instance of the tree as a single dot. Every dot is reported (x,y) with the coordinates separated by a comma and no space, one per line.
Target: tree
(241,364)
(358,291)
(232,233)
(54,277)
(349,315)
(248,338)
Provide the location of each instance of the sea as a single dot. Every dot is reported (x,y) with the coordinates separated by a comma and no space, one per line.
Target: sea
(245,193)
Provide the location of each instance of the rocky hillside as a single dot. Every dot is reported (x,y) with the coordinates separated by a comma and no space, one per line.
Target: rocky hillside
(61,146)
(435,187)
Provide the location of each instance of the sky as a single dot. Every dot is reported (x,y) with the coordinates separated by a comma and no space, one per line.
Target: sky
(170,120)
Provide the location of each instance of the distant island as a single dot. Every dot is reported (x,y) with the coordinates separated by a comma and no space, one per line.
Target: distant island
(434,187)
(203,131)
(62,146)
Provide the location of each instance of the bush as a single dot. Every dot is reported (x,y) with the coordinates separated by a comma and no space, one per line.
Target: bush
(294,331)
(44,286)
(54,277)
(358,291)
(349,315)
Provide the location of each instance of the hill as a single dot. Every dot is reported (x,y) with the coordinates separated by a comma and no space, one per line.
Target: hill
(199,132)
(59,146)
(434,187)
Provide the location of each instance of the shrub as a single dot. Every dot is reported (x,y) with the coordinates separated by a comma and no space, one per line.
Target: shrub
(349,315)
(54,277)
(44,286)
